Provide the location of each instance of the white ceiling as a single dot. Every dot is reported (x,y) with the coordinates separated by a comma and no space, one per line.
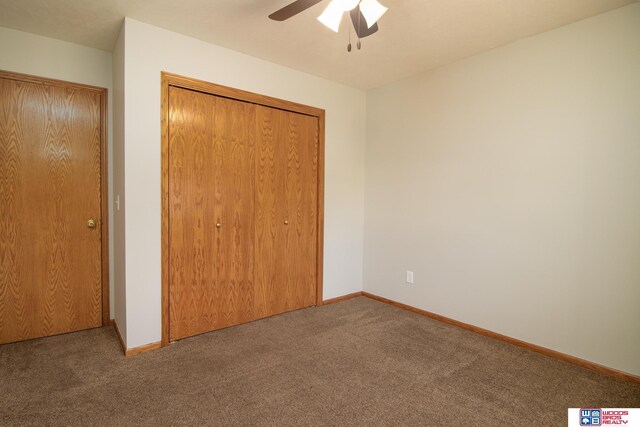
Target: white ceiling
(414,36)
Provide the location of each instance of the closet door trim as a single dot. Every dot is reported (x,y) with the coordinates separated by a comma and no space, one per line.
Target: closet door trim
(169,79)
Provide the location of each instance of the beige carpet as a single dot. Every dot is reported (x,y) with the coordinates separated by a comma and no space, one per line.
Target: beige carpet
(355,363)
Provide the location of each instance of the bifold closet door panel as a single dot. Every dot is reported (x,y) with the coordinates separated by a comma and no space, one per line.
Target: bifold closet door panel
(211,211)
(286,211)
(302,198)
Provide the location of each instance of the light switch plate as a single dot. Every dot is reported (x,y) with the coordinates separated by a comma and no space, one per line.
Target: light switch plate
(409,277)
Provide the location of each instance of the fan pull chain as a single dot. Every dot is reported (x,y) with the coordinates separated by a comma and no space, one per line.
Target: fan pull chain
(349,45)
(359,15)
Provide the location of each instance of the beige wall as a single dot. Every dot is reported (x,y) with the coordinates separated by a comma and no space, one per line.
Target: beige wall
(27,53)
(150,50)
(509,183)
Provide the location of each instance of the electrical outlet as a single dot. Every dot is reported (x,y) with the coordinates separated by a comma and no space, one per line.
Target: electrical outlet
(410,277)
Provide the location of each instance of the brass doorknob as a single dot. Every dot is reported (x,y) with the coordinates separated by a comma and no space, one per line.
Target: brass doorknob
(91,223)
(218,225)
(286,222)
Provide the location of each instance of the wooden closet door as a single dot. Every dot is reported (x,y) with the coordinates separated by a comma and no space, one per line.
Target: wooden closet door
(286,211)
(211,211)
(50,260)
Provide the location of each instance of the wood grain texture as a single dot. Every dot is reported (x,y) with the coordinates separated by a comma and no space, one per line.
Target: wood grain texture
(211,182)
(270,193)
(286,210)
(240,95)
(320,204)
(164,154)
(51,138)
(293,155)
(104,208)
(302,198)
(533,347)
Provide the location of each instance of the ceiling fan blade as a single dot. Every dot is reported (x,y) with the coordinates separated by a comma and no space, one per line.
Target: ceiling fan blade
(293,9)
(360,24)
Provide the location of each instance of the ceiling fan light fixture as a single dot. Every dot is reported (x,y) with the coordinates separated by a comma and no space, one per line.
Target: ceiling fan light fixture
(332,15)
(372,11)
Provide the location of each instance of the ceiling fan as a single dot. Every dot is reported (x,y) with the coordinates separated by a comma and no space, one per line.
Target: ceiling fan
(364,14)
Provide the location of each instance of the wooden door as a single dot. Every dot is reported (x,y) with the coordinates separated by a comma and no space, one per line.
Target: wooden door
(50,186)
(211,211)
(286,210)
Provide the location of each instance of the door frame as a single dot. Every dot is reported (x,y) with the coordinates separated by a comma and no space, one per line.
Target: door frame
(104,165)
(170,79)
